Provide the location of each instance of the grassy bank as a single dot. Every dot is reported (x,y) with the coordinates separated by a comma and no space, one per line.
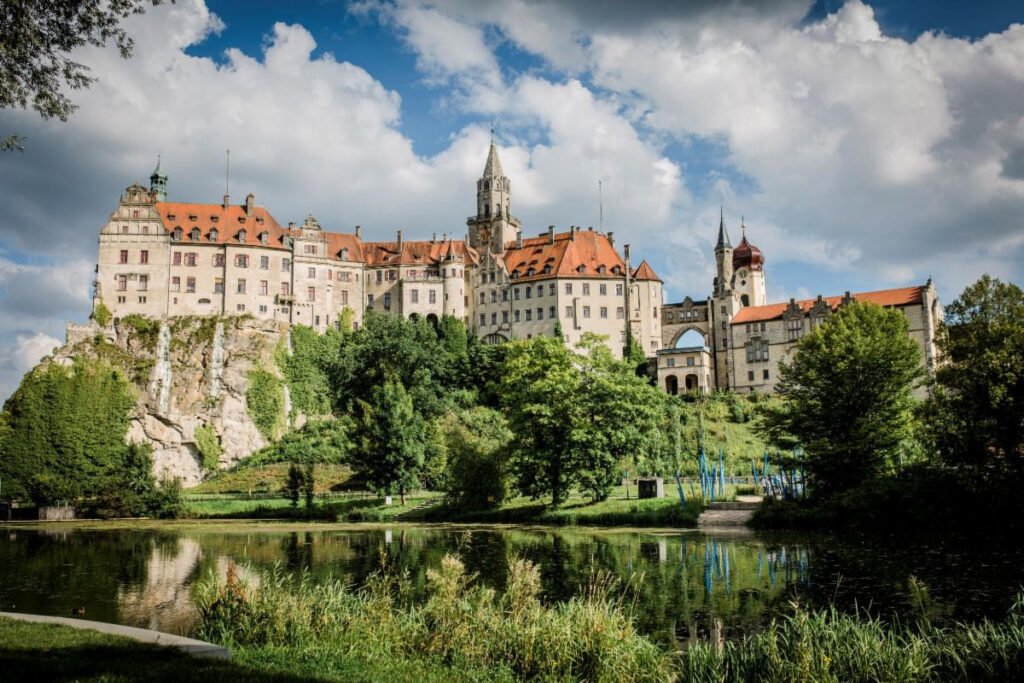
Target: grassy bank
(272,478)
(426,506)
(468,632)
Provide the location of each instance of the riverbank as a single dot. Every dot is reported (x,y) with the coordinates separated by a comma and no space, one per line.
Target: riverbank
(426,506)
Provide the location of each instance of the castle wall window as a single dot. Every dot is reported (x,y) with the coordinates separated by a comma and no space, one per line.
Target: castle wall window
(144,256)
(218,285)
(392,275)
(219,260)
(540,314)
(263,308)
(552,312)
(143,283)
(568,311)
(618,289)
(124,256)
(264,263)
(432,296)
(794,329)
(483,320)
(655,313)
(504,295)
(369,300)
(586,288)
(241,260)
(344,276)
(529,291)
(311,294)
(504,316)
(750,375)
(175,284)
(482,297)
(240,308)
(620,313)
(551,289)
(517,316)
(757,351)
(135,213)
(586,311)
(190,285)
(309,249)
(387,301)
(122,283)
(602,290)
(766,375)
(124,229)
(516,293)
(604,311)
(414,296)
(689,361)
(494,296)
(380,276)
(190,258)
(494,318)
(286,265)
(286,289)
(529,314)
(240,289)
(311,273)
(670,362)
(491,276)
(122,299)
(568,288)
(142,299)
(263,287)
(344,297)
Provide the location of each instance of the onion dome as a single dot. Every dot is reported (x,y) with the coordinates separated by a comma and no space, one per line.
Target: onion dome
(746,255)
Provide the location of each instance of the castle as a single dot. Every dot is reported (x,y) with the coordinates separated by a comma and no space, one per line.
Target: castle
(163,259)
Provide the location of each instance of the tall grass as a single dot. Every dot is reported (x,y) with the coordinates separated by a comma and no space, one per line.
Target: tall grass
(481,634)
(461,624)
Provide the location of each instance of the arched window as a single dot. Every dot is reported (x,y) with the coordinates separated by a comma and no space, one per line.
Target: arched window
(241,235)
(745,300)
(176,235)
(487,210)
(194,234)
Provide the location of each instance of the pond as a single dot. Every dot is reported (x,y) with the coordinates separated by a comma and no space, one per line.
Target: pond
(682,582)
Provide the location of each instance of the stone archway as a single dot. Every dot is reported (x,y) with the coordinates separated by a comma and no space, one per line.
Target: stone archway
(672,385)
(683,338)
(432,319)
(692,383)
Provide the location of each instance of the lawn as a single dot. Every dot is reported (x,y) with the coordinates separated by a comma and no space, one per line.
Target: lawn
(261,479)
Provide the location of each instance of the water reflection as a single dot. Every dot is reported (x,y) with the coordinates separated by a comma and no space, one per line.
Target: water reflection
(684,586)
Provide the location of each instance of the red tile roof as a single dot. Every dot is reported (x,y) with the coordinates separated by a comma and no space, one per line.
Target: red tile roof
(583,253)
(416,252)
(336,241)
(645,272)
(227,222)
(904,296)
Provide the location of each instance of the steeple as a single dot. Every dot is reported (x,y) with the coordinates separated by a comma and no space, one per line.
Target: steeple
(492,169)
(158,182)
(723,234)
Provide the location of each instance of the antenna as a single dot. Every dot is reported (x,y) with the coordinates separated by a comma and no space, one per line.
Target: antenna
(227,174)
(600,205)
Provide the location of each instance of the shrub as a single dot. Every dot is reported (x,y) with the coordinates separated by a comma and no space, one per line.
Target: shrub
(101,315)
(265,401)
(477,467)
(209,447)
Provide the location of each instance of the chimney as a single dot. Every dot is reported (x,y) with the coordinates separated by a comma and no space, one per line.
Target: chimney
(291,225)
(434,238)
(359,232)
(399,240)
(227,201)
(519,240)
(551,234)
(611,238)
(590,228)
(250,203)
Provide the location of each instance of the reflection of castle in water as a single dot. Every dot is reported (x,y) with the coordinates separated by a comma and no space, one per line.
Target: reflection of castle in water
(163,602)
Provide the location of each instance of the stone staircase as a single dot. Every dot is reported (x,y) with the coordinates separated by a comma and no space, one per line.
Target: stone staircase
(731,515)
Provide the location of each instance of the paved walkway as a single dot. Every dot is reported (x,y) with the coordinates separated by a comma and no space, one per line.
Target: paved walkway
(196,648)
(733,515)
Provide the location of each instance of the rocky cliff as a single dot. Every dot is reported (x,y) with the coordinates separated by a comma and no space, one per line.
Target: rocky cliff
(191,376)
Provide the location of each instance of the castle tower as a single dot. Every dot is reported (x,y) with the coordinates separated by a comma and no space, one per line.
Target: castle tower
(453,273)
(748,273)
(158,183)
(493,226)
(723,258)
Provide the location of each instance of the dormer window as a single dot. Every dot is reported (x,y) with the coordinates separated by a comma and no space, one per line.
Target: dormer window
(241,219)
(617,270)
(259,219)
(601,269)
(515,274)
(547,269)
(213,235)
(214,218)
(170,216)
(581,268)
(193,217)
(194,234)
(264,238)
(242,235)
(177,234)
(343,254)
(531,271)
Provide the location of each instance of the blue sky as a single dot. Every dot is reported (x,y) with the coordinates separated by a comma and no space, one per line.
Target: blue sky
(867,144)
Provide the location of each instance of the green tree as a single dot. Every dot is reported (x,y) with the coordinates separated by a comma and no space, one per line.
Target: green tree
(847,396)
(476,442)
(389,449)
(65,431)
(309,483)
(36,41)
(540,393)
(621,420)
(293,485)
(976,415)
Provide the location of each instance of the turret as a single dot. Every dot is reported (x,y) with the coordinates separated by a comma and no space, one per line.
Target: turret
(723,257)
(158,183)
(493,226)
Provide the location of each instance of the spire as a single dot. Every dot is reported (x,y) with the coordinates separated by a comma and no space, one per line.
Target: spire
(723,234)
(156,171)
(492,169)
(158,182)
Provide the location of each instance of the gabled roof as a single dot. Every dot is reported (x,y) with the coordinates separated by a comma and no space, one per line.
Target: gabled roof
(904,296)
(417,252)
(336,241)
(227,222)
(645,272)
(583,253)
